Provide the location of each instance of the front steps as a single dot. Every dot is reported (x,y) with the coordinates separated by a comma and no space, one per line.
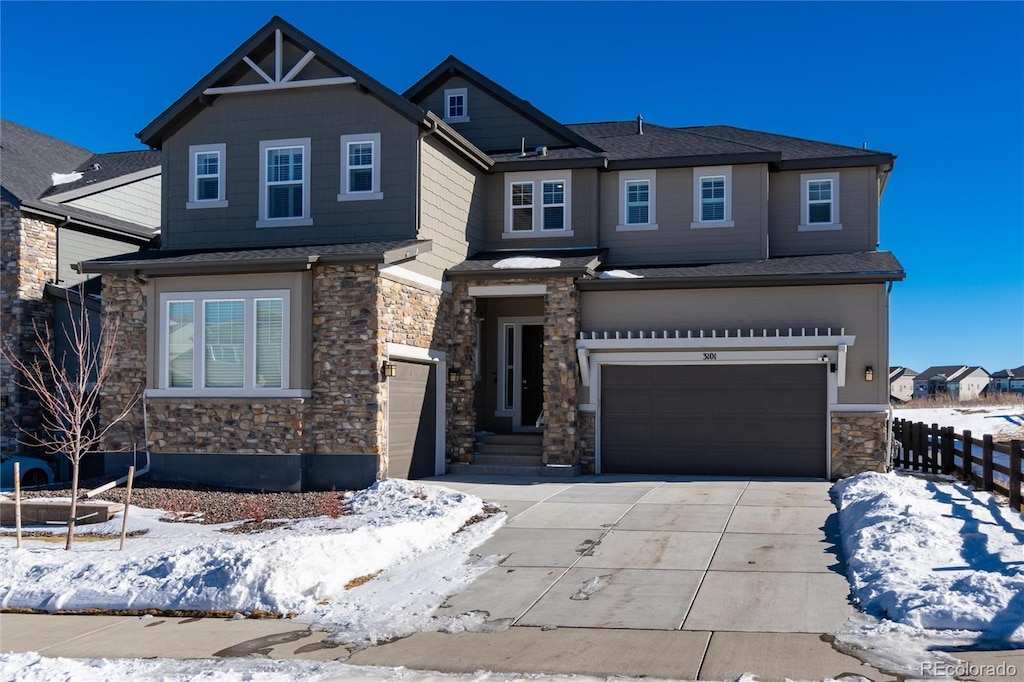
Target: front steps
(509,454)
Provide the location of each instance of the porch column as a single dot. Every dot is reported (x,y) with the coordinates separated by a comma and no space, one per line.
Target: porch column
(461,410)
(561,374)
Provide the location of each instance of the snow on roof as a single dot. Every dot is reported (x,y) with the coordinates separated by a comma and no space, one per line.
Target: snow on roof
(526,263)
(619,274)
(64,178)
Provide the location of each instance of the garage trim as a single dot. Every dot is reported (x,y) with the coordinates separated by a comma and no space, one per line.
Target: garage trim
(401,351)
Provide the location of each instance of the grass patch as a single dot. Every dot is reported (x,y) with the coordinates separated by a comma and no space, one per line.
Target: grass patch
(356,582)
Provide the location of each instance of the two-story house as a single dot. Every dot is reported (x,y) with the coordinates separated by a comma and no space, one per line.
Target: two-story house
(1008,380)
(60,204)
(901,384)
(956,381)
(355,283)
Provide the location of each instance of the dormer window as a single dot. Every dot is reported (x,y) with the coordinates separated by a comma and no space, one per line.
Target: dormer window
(206,176)
(456,105)
(819,202)
(360,167)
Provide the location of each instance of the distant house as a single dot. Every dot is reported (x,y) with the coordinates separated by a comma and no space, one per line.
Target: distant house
(901,384)
(1008,381)
(958,381)
(61,204)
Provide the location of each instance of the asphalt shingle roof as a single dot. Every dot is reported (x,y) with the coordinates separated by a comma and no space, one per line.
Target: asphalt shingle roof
(101,167)
(29,157)
(791,148)
(569,260)
(621,140)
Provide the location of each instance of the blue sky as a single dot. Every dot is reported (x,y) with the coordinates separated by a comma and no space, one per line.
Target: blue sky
(941,85)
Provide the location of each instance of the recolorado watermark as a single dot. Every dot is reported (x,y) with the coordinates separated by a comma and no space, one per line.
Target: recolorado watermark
(964,669)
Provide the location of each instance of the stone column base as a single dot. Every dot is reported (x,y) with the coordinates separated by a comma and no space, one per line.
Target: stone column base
(860,443)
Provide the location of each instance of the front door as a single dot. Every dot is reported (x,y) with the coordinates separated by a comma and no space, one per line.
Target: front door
(532,391)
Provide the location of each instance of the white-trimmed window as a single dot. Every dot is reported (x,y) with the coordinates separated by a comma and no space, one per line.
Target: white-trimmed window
(538,204)
(456,105)
(712,197)
(230,343)
(637,200)
(819,202)
(284,183)
(206,176)
(360,167)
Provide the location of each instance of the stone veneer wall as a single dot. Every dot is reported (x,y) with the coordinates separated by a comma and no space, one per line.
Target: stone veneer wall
(28,248)
(229,425)
(860,443)
(561,374)
(124,309)
(347,415)
(588,441)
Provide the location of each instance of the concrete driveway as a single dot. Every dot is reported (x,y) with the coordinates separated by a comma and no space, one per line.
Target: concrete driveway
(692,554)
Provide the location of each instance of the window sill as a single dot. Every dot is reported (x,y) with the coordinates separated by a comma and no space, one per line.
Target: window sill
(285,222)
(457,119)
(206,204)
(712,224)
(247,393)
(820,227)
(533,234)
(361,196)
(637,227)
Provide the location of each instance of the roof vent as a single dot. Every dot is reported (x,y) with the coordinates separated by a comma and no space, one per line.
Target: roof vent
(95,166)
(522,147)
(541,151)
(864,145)
(639,124)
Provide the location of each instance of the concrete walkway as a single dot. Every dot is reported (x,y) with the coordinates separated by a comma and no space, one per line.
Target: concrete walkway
(671,578)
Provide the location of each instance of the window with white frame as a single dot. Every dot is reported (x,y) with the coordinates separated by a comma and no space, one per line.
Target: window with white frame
(284,183)
(636,202)
(712,197)
(819,202)
(226,343)
(360,167)
(456,105)
(537,204)
(206,176)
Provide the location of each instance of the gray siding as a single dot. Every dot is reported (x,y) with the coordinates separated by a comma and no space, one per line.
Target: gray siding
(492,126)
(583,215)
(861,309)
(75,247)
(323,114)
(451,208)
(858,214)
(137,202)
(675,241)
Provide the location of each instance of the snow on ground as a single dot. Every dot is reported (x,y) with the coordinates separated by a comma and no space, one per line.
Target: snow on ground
(938,563)
(526,263)
(1007,420)
(405,534)
(33,668)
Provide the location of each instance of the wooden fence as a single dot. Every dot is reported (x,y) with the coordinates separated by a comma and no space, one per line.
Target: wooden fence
(939,449)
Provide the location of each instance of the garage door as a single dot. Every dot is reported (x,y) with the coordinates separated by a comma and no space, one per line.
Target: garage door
(412,420)
(737,420)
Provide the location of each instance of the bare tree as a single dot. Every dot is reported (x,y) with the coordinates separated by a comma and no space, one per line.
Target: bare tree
(68,385)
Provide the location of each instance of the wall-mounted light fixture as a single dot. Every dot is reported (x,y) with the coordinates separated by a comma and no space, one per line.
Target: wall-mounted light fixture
(389,369)
(453,375)
(869,373)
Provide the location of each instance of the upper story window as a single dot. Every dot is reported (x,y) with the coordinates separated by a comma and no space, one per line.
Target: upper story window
(537,204)
(712,197)
(206,176)
(819,202)
(360,167)
(284,183)
(636,200)
(456,105)
(229,343)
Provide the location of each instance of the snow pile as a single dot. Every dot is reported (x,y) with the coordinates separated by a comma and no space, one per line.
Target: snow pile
(64,178)
(407,537)
(526,263)
(930,555)
(619,274)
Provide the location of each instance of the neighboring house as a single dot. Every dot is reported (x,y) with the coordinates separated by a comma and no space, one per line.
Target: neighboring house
(354,283)
(1008,381)
(901,384)
(957,381)
(61,204)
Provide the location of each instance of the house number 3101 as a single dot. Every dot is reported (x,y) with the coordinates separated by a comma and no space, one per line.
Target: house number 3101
(711,356)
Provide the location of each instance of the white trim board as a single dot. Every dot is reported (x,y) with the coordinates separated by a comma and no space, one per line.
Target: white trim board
(403,275)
